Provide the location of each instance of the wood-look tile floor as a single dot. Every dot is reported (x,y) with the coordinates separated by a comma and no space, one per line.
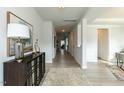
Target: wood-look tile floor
(63,59)
(97,74)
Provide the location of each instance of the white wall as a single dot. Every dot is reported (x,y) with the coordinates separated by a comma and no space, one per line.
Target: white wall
(47,40)
(79,53)
(116,37)
(84,43)
(77,50)
(116,34)
(28,14)
(91,44)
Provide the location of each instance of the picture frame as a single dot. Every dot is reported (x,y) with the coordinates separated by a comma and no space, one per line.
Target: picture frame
(54,41)
(28,43)
(79,29)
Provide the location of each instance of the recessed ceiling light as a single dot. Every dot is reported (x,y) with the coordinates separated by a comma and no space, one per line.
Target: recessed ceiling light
(63,30)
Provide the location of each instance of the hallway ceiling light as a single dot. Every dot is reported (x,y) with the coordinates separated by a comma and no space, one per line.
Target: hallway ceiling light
(63,30)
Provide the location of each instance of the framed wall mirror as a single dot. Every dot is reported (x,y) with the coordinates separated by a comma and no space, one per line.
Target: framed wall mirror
(28,43)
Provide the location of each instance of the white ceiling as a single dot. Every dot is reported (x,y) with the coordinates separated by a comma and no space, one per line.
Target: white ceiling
(58,15)
(109,16)
(109,21)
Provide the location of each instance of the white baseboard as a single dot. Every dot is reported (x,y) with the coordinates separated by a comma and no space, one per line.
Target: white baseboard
(107,62)
(84,67)
(92,61)
(48,61)
(1,83)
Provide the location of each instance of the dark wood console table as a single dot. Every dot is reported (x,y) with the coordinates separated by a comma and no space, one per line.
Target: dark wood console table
(27,73)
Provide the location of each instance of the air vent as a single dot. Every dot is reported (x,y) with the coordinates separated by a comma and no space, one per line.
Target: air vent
(70,20)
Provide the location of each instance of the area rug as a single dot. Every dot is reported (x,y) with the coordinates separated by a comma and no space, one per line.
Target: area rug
(117,72)
(65,77)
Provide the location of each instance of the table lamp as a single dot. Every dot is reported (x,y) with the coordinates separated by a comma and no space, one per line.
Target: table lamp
(18,31)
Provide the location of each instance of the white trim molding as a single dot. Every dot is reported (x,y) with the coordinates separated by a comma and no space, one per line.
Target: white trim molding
(48,61)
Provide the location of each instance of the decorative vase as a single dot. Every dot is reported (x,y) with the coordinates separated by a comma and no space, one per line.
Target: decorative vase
(36,46)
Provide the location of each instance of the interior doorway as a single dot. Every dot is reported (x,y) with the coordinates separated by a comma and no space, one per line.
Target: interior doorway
(103,44)
(63,44)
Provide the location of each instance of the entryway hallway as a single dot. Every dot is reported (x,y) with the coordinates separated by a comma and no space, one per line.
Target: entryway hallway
(65,71)
(63,59)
